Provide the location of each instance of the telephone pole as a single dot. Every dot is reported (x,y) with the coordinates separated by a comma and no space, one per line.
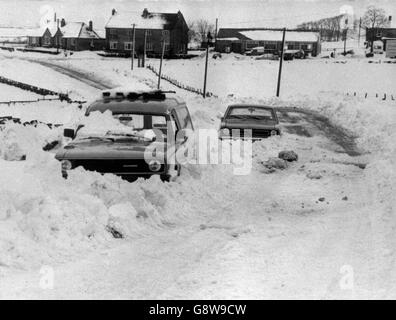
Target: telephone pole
(281,62)
(144,49)
(208,40)
(360,27)
(162,58)
(217,20)
(133,45)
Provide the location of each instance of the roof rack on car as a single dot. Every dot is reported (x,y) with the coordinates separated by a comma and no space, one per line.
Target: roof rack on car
(133,95)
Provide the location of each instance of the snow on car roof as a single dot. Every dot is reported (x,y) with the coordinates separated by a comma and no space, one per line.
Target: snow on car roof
(125,20)
(275,35)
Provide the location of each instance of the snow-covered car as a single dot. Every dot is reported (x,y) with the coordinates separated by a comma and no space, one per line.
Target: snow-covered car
(248,121)
(256,51)
(129,134)
(267,56)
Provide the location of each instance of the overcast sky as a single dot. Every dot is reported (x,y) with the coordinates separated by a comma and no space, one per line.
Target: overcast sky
(248,13)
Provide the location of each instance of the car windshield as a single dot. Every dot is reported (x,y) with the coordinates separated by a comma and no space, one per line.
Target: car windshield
(251,112)
(122,125)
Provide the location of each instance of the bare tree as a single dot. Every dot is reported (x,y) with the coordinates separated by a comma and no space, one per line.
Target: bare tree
(202,27)
(329,28)
(192,34)
(374,17)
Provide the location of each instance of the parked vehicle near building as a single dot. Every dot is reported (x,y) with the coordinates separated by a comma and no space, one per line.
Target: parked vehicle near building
(378,47)
(257,51)
(246,121)
(150,128)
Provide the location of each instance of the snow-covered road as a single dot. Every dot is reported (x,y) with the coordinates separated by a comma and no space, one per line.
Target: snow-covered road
(322,228)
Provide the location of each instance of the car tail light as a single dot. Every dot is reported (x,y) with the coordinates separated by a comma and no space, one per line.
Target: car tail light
(66,165)
(154,165)
(225,132)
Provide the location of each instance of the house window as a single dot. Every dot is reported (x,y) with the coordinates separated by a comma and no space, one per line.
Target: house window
(149,46)
(251,44)
(73,41)
(270,46)
(379,33)
(128,45)
(166,39)
(113,45)
(47,41)
(148,33)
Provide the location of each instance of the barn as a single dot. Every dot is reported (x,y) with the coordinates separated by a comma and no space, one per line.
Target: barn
(390,47)
(241,40)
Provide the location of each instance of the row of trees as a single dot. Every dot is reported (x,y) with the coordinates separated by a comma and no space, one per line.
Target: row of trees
(331,29)
(199,30)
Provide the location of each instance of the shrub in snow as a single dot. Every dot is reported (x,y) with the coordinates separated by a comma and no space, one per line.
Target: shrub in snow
(288,155)
(274,163)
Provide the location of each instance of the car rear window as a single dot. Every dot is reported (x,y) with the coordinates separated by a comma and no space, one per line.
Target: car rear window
(251,112)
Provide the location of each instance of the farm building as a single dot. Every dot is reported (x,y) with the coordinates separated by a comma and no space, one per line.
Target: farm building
(390,47)
(79,36)
(35,36)
(241,40)
(375,34)
(150,28)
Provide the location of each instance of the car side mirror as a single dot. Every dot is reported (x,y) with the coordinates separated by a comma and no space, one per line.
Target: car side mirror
(182,136)
(68,133)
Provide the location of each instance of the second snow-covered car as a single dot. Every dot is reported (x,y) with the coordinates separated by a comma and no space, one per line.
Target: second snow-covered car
(249,122)
(128,134)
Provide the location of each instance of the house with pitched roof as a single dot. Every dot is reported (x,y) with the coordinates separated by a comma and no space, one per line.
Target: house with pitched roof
(79,36)
(239,40)
(151,28)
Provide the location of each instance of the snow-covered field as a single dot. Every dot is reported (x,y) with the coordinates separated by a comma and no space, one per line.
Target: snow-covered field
(321,228)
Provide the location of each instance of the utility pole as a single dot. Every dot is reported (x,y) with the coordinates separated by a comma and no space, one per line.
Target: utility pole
(217,20)
(162,58)
(57,37)
(360,27)
(281,62)
(209,38)
(133,45)
(345,35)
(144,49)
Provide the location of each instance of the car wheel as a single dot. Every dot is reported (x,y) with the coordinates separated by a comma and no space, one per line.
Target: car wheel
(172,174)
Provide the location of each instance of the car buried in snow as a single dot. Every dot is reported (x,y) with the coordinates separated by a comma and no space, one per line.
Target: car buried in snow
(139,135)
(249,122)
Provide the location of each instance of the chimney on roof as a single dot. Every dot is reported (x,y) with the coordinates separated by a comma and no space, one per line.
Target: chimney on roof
(145,13)
(55,17)
(63,22)
(113,12)
(90,26)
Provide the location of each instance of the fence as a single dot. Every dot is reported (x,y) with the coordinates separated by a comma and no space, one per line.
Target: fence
(37,90)
(366,95)
(5,119)
(179,84)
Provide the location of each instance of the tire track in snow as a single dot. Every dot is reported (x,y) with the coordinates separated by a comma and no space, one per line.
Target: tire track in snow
(78,75)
